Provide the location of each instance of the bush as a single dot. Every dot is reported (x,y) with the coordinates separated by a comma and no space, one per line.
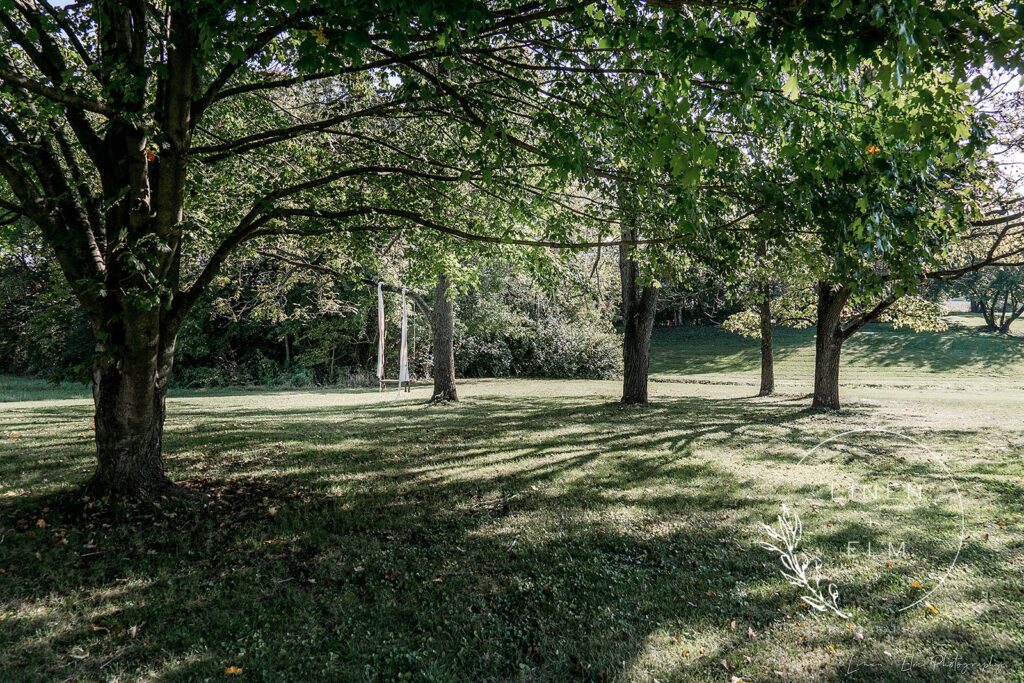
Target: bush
(257,370)
(199,378)
(294,377)
(553,348)
(578,350)
(478,357)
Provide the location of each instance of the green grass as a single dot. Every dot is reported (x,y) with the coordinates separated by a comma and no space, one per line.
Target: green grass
(535,532)
(14,389)
(876,354)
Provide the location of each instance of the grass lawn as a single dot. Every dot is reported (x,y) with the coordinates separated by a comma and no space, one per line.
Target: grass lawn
(14,389)
(537,531)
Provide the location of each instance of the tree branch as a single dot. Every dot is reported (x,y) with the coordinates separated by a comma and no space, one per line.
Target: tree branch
(869,316)
(262,39)
(68,98)
(224,150)
(370,280)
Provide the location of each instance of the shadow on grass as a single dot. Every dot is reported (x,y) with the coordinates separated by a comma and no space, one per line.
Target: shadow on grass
(957,348)
(709,349)
(548,539)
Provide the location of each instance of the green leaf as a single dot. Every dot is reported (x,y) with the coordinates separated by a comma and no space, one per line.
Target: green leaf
(791,88)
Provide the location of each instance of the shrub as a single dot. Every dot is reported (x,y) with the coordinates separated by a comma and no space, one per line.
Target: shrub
(553,348)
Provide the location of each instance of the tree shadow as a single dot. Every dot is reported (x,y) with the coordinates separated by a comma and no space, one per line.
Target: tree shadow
(548,539)
(695,350)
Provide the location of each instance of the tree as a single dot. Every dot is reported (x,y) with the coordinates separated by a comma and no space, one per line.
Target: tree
(999,292)
(115,114)
(442,325)
(639,304)
(881,206)
(774,289)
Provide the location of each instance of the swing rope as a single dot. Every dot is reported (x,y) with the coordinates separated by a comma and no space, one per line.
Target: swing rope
(403,353)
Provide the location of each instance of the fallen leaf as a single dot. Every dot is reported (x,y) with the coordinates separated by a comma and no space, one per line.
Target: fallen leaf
(233,671)
(916,584)
(41,523)
(932,609)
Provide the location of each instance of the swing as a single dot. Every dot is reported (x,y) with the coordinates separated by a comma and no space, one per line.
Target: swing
(403,380)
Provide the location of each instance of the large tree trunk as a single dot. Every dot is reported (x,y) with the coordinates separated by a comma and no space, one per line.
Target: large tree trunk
(638,308)
(828,344)
(989,314)
(442,326)
(767,353)
(130,375)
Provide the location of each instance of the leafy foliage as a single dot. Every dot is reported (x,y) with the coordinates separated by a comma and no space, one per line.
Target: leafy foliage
(917,313)
(510,326)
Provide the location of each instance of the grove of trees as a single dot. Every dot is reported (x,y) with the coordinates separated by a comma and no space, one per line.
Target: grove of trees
(168,163)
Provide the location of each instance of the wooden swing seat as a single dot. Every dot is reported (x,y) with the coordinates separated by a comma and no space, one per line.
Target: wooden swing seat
(406,384)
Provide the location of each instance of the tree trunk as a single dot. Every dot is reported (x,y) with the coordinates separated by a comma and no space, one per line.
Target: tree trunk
(1015,313)
(828,344)
(129,391)
(287,353)
(988,313)
(638,308)
(442,326)
(767,353)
